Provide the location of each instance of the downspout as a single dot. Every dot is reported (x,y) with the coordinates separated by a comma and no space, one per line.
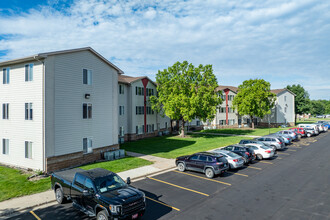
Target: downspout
(227,91)
(145,83)
(43,113)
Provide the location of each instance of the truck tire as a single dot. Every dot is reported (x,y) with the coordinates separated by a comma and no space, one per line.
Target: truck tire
(59,195)
(102,215)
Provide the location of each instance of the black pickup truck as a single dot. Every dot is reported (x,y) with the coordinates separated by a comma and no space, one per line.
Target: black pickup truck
(99,192)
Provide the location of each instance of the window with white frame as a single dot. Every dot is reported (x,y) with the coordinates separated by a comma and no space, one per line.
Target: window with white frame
(165,125)
(158,126)
(87,110)
(5,111)
(231,121)
(139,110)
(5,146)
(137,129)
(222,122)
(121,110)
(28,72)
(28,111)
(6,75)
(222,109)
(87,77)
(28,149)
(198,123)
(87,145)
(121,89)
(285,98)
(121,131)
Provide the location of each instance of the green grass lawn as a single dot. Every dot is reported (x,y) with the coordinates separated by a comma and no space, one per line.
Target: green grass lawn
(120,165)
(13,184)
(174,146)
(240,131)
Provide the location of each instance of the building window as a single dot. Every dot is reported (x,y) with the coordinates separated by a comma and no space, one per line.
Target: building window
(285,98)
(230,97)
(153,128)
(87,77)
(231,121)
(198,123)
(149,92)
(28,149)
(5,146)
(6,75)
(222,110)
(139,90)
(143,129)
(121,131)
(28,72)
(28,111)
(87,145)
(158,126)
(87,110)
(222,122)
(121,89)
(230,110)
(139,110)
(285,109)
(121,110)
(5,111)
(137,129)
(165,125)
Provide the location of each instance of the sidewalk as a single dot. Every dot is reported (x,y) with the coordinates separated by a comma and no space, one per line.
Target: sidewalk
(240,135)
(21,204)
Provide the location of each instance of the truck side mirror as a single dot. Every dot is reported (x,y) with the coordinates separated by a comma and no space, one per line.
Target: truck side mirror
(128,181)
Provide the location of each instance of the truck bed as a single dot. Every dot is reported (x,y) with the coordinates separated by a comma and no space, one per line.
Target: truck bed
(68,175)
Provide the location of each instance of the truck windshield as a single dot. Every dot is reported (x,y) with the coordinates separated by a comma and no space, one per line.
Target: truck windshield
(109,183)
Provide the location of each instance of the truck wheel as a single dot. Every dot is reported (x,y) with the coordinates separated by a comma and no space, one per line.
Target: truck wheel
(181,167)
(59,195)
(102,215)
(209,173)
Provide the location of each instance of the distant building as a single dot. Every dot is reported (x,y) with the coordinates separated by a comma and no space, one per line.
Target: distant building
(137,120)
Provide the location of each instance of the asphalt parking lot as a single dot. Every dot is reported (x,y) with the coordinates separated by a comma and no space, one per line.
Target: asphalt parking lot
(293,185)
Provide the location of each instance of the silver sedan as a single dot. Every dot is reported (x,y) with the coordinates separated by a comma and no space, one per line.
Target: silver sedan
(235,161)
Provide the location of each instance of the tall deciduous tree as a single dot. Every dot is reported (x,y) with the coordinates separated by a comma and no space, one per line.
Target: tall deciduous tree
(254,99)
(302,102)
(186,92)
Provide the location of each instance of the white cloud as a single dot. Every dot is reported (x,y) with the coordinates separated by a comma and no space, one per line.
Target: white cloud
(282,41)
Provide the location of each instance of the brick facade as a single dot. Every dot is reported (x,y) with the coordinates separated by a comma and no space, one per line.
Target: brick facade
(76,159)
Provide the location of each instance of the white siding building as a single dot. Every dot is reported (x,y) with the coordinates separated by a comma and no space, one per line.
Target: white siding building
(136,118)
(58,109)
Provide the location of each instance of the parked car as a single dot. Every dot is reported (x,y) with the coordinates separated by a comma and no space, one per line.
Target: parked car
(257,142)
(292,134)
(247,153)
(262,152)
(310,131)
(283,137)
(99,193)
(272,141)
(314,127)
(319,126)
(206,162)
(235,161)
(301,132)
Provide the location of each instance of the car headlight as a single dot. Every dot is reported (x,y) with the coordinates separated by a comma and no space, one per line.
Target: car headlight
(144,196)
(115,209)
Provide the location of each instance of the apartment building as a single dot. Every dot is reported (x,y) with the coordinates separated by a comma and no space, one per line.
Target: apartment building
(137,120)
(58,109)
(226,117)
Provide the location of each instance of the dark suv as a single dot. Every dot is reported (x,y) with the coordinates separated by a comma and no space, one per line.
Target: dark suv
(209,163)
(247,153)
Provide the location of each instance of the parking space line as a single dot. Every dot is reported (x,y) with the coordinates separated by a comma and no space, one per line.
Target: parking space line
(238,174)
(291,150)
(257,168)
(283,153)
(266,162)
(171,184)
(37,217)
(163,204)
(203,178)
(279,158)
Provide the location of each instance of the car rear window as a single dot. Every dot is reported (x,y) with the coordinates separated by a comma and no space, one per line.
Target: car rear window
(232,154)
(221,159)
(209,159)
(253,147)
(264,147)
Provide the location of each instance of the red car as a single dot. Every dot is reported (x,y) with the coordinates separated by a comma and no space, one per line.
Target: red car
(300,131)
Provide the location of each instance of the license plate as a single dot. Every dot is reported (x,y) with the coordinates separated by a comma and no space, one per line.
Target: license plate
(135,216)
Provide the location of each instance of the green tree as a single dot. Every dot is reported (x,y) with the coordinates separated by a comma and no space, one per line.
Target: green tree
(254,99)
(186,92)
(302,102)
(318,107)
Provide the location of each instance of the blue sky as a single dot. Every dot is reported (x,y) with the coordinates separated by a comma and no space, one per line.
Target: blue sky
(282,41)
